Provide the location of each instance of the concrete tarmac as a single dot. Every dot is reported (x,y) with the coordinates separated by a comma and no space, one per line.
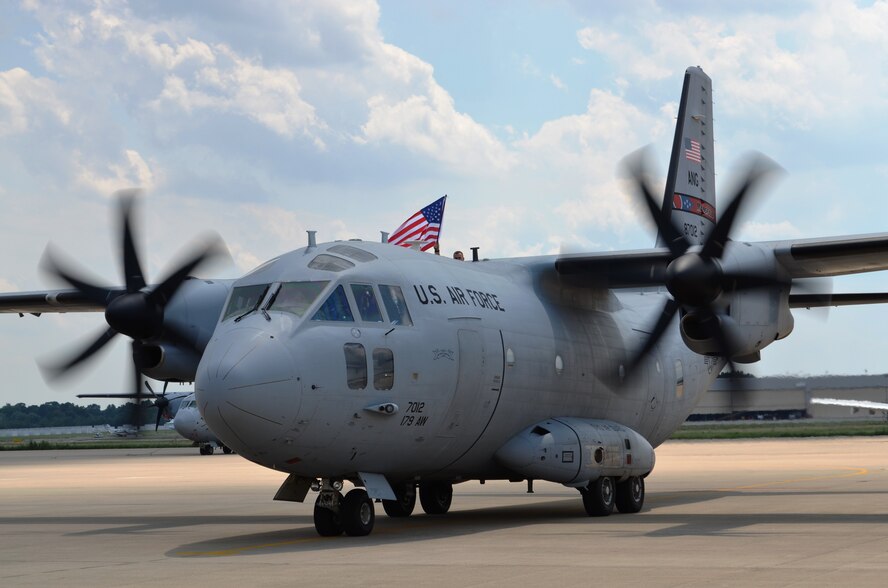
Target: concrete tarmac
(810,512)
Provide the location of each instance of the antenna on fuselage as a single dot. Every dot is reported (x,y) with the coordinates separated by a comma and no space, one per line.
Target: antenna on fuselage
(475,253)
(385,236)
(312,240)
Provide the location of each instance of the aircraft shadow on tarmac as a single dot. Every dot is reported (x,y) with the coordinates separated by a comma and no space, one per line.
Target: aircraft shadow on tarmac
(653,521)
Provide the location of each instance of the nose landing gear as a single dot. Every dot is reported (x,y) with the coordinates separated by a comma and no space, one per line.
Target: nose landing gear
(334,514)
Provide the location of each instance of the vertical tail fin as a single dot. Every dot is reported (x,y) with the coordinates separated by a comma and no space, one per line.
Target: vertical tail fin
(690,184)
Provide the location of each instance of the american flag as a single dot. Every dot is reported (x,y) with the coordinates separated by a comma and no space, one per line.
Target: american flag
(692,150)
(424,226)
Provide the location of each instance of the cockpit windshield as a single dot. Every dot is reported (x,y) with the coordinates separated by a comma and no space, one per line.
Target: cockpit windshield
(244,299)
(335,308)
(296,297)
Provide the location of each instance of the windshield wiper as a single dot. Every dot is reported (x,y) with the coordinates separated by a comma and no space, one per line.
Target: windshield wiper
(255,307)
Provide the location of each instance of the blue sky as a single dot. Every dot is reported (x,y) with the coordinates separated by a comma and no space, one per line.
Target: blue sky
(262,120)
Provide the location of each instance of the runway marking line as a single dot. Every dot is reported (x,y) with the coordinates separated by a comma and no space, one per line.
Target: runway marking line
(854,472)
(238,550)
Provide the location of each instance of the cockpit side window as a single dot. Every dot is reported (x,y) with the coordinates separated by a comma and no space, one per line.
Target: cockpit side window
(296,297)
(244,299)
(330,263)
(368,308)
(335,308)
(395,305)
(356,366)
(383,369)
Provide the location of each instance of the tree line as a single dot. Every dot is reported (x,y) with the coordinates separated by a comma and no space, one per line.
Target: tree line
(67,414)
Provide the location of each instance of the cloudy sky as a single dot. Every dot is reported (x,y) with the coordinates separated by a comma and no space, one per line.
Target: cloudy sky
(261,120)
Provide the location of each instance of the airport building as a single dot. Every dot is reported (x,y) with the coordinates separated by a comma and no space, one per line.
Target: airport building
(789,397)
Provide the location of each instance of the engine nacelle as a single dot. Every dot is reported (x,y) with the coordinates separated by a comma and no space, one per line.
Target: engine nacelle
(575,451)
(194,311)
(169,362)
(748,319)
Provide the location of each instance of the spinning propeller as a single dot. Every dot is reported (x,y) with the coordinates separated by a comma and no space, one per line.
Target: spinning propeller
(693,274)
(137,309)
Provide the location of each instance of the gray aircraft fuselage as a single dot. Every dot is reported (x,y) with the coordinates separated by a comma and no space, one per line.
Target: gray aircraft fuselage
(494,347)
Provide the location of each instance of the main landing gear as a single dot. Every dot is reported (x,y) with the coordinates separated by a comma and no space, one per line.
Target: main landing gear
(602,495)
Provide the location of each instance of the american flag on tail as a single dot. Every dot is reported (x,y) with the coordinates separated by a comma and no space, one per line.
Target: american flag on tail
(424,226)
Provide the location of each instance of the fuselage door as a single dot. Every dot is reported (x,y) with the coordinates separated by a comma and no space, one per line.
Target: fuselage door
(478,387)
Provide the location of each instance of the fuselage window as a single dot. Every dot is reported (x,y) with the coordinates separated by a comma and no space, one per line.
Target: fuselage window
(244,299)
(383,369)
(679,380)
(330,263)
(368,308)
(352,252)
(296,297)
(356,366)
(395,305)
(335,308)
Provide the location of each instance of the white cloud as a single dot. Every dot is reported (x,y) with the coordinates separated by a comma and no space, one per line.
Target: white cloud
(820,62)
(130,172)
(773,231)
(428,123)
(556,81)
(24,100)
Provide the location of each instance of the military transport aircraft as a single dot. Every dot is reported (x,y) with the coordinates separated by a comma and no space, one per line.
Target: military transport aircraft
(404,373)
(189,423)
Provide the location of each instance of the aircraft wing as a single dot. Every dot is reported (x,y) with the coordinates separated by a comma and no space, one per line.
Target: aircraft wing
(851,403)
(836,256)
(801,258)
(52,301)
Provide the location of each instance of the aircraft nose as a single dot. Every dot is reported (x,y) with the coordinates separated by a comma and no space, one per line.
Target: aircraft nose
(247,387)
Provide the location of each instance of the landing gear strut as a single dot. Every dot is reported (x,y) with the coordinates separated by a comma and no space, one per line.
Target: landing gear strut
(354,514)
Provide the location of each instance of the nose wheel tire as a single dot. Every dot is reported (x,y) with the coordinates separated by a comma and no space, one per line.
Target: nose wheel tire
(327,521)
(357,514)
(599,496)
(404,503)
(630,495)
(435,497)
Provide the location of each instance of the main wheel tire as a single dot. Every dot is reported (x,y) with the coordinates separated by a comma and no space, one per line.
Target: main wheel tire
(327,522)
(598,497)
(226,450)
(435,497)
(357,514)
(630,495)
(209,449)
(404,503)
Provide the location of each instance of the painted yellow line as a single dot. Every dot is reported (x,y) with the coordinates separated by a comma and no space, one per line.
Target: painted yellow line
(852,473)
(245,548)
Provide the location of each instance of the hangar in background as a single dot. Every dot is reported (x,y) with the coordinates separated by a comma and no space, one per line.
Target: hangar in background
(789,397)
